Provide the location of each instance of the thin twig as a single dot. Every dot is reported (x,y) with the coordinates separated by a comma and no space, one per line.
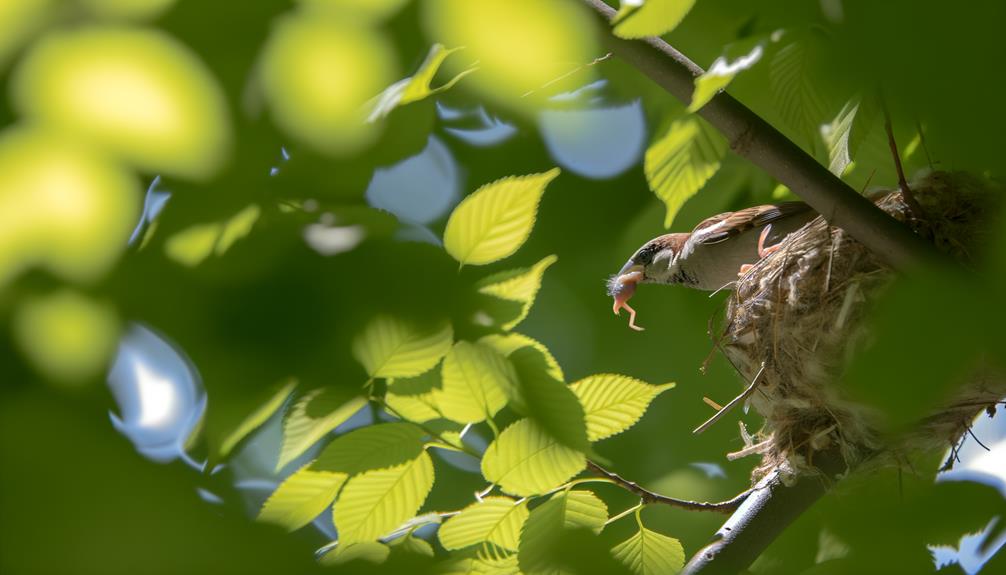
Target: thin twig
(733,402)
(647,496)
(906,192)
(978,441)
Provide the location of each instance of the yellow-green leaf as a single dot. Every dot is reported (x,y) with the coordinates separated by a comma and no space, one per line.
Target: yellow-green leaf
(798,97)
(549,401)
(613,403)
(481,564)
(409,543)
(519,285)
(564,510)
(418,86)
(237,227)
(256,418)
(391,347)
(475,379)
(372,447)
(506,344)
(682,161)
(367,551)
(650,553)
(194,244)
(376,502)
(525,460)
(412,398)
(301,497)
(312,416)
(494,520)
(650,17)
(496,220)
(720,74)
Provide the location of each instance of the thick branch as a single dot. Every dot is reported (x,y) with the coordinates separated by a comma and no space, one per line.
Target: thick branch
(755,139)
(648,496)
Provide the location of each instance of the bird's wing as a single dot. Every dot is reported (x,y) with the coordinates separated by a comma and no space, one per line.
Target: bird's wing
(722,227)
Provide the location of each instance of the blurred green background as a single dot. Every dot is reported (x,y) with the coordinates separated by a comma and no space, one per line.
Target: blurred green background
(203,200)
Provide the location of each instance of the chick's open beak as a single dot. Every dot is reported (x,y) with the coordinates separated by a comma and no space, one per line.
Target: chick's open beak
(623,287)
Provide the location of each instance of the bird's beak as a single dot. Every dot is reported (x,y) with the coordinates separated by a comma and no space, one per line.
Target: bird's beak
(630,267)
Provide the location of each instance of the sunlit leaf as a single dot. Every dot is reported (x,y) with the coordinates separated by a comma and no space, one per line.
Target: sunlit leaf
(418,86)
(127,9)
(475,380)
(481,564)
(372,447)
(194,244)
(237,227)
(720,74)
(506,344)
(312,416)
(496,220)
(256,418)
(520,285)
(525,460)
(637,19)
(494,520)
(376,9)
(366,551)
(836,137)
(545,524)
(18,21)
(409,543)
(650,553)
(67,336)
(390,347)
(614,403)
(318,71)
(413,398)
(798,99)
(301,497)
(680,163)
(376,502)
(138,93)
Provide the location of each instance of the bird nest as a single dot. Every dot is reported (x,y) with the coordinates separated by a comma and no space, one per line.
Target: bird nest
(796,318)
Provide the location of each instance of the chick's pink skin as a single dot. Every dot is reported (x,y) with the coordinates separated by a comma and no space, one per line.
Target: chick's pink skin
(627,288)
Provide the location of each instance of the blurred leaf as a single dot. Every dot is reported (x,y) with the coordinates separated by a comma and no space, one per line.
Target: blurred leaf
(18,22)
(372,447)
(194,244)
(365,551)
(480,565)
(390,347)
(525,460)
(549,401)
(639,18)
(409,543)
(137,93)
(68,337)
(613,403)
(508,343)
(494,520)
(650,553)
(376,502)
(256,419)
(237,227)
(371,9)
(798,98)
(301,497)
(546,523)
(413,398)
(519,285)
(680,163)
(418,86)
(475,380)
(836,137)
(127,9)
(721,73)
(312,416)
(495,221)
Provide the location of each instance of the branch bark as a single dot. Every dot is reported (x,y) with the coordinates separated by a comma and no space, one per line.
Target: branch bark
(755,139)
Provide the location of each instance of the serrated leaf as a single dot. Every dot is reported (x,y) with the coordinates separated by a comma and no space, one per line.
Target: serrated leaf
(411,544)
(481,565)
(494,520)
(836,137)
(544,526)
(412,398)
(372,447)
(301,497)
(525,460)
(506,344)
(390,347)
(376,502)
(798,100)
(650,553)
(680,163)
(519,285)
(650,17)
(613,403)
(496,220)
(255,419)
(418,86)
(720,74)
(474,383)
(312,417)
(549,401)
(368,551)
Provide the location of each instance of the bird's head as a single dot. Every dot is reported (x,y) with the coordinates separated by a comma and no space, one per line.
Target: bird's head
(655,262)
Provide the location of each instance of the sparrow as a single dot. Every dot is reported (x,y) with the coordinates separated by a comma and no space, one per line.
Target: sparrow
(712,255)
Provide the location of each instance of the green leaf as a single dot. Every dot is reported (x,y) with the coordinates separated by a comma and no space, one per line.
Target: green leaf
(798,99)
(418,86)
(520,285)
(255,419)
(481,565)
(412,398)
(390,347)
(549,401)
(376,502)
(367,551)
(525,460)
(312,416)
(650,17)
(195,244)
(475,379)
(682,161)
(496,220)
(494,520)
(720,74)
(836,137)
(409,543)
(613,403)
(508,343)
(301,497)
(372,447)
(650,553)
(545,524)
(237,227)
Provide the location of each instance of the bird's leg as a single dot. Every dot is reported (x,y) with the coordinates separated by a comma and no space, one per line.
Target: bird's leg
(632,315)
(626,288)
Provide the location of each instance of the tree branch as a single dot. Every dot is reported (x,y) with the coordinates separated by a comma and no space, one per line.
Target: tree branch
(648,496)
(755,139)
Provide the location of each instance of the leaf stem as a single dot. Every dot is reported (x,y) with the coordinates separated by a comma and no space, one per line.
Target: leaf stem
(625,513)
(647,497)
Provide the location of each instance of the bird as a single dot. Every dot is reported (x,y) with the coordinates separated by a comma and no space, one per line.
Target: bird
(712,255)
